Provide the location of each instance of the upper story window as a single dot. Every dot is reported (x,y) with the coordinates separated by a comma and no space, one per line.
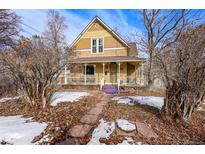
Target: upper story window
(97,45)
(100,45)
(94,45)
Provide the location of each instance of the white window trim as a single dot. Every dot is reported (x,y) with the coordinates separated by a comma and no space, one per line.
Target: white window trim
(97,44)
(92,45)
(105,49)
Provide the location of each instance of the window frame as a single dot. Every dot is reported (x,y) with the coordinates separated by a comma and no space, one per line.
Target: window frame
(97,45)
(101,45)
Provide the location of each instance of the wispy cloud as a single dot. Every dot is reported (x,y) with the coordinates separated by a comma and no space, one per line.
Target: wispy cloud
(77,20)
(37,19)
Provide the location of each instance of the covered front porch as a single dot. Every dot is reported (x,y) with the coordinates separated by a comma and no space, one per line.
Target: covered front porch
(104,71)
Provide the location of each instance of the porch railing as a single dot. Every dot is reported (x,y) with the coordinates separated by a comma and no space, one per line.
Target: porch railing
(136,81)
(81,80)
(95,80)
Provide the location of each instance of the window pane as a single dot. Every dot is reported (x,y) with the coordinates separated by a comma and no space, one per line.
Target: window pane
(89,70)
(100,45)
(94,45)
(100,48)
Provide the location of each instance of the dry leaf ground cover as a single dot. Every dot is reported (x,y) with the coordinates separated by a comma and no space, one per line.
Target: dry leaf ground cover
(59,118)
(168,132)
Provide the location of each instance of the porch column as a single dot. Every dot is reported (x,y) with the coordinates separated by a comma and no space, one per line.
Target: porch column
(119,72)
(95,73)
(135,74)
(65,74)
(143,73)
(85,74)
(103,72)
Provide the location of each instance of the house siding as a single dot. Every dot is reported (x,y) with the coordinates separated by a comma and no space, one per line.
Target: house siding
(113,46)
(83,46)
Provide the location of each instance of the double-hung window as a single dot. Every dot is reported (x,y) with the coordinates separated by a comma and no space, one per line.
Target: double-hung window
(97,45)
(94,45)
(100,45)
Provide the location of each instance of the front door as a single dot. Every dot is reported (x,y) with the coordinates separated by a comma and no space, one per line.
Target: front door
(113,72)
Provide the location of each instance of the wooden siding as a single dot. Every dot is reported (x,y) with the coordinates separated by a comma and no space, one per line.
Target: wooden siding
(83,45)
(119,52)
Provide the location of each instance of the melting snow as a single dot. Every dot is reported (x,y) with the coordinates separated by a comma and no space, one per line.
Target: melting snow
(45,138)
(104,130)
(19,130)
(148,100)
(3,100)
(67,97)
(123,100)
(201,109)
(125,125)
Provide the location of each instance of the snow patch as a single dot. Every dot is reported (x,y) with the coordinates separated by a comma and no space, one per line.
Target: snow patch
(129,141)
(123,100)
(45,138)
(6,99)
(125,125)
(19,130)
(201,109)
(157,102)
(104,130)
(67,97)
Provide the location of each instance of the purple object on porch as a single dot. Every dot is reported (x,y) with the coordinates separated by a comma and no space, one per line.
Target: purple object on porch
(109,89)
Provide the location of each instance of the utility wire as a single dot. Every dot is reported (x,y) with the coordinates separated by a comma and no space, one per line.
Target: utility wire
(30,27)
(36,31)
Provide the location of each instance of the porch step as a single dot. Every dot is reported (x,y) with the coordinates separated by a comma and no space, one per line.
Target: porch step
(110,89)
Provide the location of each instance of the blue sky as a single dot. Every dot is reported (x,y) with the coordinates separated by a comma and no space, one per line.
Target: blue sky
(126,21)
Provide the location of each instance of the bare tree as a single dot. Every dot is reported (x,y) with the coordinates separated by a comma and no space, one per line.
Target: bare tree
(35,68)
(36,63)
(9,30)
(163,27)
(55,30)
(9,27)
(183,67)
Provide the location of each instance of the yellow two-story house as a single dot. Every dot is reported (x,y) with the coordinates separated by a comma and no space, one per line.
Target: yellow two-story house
(102,57)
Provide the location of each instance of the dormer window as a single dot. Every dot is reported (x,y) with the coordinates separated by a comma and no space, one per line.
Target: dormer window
(97,45)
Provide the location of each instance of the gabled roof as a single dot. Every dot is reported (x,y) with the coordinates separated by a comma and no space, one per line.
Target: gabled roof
(106,26)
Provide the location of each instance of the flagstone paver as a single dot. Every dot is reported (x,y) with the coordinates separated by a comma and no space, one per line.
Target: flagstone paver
(89,119)
(96,111)
(145,130)
(80,130)
(120,132)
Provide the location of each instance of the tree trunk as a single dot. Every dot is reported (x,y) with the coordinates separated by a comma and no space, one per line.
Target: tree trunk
(179,103)
(149,74)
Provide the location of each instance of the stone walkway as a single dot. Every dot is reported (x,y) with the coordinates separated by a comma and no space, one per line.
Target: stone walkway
(90,119)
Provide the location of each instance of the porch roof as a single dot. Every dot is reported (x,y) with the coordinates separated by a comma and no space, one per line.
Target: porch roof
(106,59)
